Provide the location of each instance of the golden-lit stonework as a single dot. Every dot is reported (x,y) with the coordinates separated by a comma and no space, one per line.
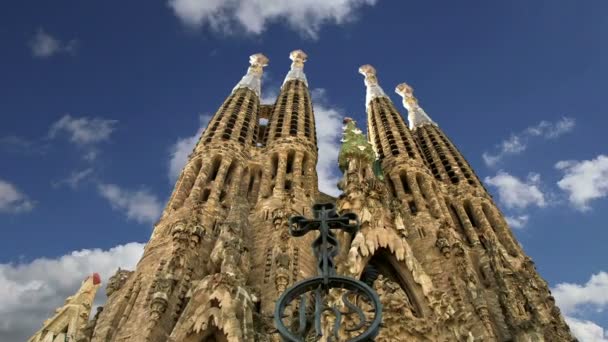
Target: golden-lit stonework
(432,242)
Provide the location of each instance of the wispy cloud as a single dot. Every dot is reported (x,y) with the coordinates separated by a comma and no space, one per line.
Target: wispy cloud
(517,221)
(518,142)
(12,200)
(75,178)
(30,292)
(584,180)
(44,45)
(84,132)
(140,205)
(182,148)
(253,16)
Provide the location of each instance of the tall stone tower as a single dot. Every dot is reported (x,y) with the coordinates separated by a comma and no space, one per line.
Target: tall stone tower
(432,243)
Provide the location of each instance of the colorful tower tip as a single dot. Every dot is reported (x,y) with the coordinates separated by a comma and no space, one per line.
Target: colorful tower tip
(367,70)
(298,57)
(96,278)
(258,60)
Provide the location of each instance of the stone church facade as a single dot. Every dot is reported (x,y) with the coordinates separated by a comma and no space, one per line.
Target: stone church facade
(441,255)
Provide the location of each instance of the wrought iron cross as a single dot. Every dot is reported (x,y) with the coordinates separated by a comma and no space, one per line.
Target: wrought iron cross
(325,248)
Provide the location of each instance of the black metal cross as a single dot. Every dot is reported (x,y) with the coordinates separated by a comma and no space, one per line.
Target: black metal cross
(326,246)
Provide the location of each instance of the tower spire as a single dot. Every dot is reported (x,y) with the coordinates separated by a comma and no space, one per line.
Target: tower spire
(296,72)
(253,78)
(416,115)
(371,83)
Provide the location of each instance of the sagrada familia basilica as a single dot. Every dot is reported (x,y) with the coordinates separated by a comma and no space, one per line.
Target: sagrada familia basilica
(431,242)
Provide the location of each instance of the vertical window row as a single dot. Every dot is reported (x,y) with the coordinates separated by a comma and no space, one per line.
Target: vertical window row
(229,126)
(252,108)
(280,112)
(295,105)
(427,153)
(308,117)
(462,164)
(379,108)
(401,130)
(377,140)
(443,157)
(218,118)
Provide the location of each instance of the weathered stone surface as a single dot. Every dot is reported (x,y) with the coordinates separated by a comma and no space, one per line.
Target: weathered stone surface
(432,242)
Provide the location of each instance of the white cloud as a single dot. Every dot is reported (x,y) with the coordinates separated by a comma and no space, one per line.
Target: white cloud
(518,143)
(140,206)
(516,193)
(84,132)
(328,122)
(576,299)
(573,298)
(182,148)
(12,200)
(30,292)
(584,180)
(587,331)
(75,178)
(253,16)
(518,221)
(44,45)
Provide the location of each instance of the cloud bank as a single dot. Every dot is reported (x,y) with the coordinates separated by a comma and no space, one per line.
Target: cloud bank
(253,16)
(29,292)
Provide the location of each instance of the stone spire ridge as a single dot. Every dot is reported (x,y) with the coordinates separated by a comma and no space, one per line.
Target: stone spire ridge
(253,78)
(74,313)
(298,58)
(371,82)
(416,115)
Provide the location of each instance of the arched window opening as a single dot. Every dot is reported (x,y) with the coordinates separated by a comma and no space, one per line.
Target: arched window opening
(387,276)
(215,166)
(391,186)
(205,195)
(413,207)
(275,165)
(403,178)
(468,208)
(229,174)
(290,157)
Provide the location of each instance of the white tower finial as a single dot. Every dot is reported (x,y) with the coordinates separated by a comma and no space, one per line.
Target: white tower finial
(297,67)
(416,115)
(253,78)
(371,82)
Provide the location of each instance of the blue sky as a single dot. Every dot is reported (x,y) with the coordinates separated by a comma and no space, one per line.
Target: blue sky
(101,102)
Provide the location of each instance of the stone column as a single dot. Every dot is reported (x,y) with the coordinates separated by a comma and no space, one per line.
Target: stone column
(297,170)
(200,183)
(218,183)
(418,199)
(468,227)
(233,189)
(279,185)
(427,188)
(187,180)
(266,177)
